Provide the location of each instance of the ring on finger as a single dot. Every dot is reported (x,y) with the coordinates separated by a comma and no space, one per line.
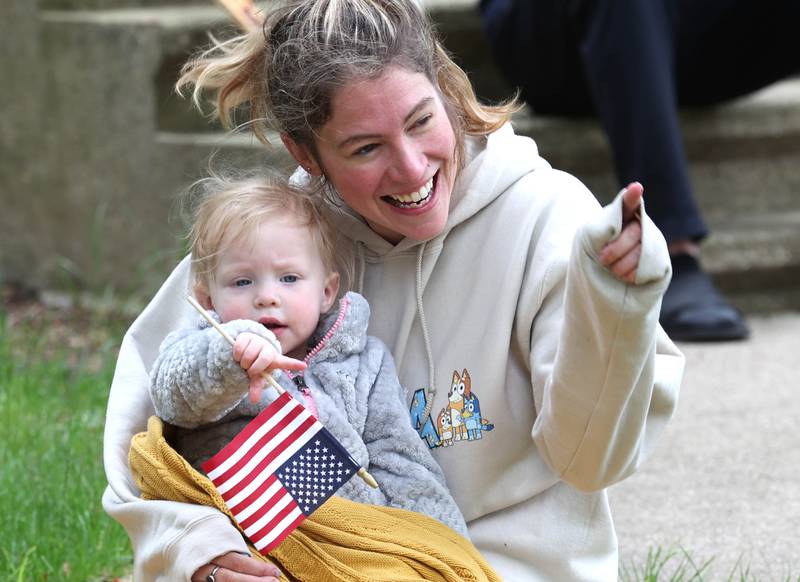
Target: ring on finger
(212,575)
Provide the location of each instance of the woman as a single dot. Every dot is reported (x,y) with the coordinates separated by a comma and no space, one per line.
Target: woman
(522,317)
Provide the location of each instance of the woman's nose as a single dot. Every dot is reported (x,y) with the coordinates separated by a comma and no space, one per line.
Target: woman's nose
(409,163)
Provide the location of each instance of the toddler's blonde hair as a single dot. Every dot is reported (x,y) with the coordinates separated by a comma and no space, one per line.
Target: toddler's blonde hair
(228,210)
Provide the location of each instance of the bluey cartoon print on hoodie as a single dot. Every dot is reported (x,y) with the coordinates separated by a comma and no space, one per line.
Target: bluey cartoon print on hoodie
(460,420)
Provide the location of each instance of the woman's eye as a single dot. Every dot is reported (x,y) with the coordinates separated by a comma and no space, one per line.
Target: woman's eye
(241,282)
(364,150)
(289,279)
(422,121)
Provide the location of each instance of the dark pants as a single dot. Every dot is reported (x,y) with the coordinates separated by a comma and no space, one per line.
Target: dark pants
(633,63)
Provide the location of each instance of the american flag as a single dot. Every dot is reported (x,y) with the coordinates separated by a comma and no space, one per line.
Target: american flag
(278,470)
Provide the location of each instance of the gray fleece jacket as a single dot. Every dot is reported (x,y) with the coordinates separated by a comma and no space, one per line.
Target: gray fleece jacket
(198,387)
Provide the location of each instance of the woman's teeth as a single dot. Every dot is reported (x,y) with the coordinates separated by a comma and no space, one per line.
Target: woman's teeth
(412,199)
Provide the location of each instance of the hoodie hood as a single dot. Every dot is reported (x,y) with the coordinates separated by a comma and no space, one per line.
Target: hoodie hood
(492,164)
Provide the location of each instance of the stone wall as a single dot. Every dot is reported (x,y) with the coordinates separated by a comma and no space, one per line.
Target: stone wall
(89,182)
(21,137)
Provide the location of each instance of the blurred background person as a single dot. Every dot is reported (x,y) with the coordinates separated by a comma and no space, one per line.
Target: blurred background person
(634,63)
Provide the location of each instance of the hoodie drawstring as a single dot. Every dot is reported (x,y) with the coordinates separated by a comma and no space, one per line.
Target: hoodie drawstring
(361,266)
(431,392)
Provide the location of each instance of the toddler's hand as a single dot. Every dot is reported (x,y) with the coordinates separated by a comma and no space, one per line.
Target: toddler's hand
(621,255)
(257,356)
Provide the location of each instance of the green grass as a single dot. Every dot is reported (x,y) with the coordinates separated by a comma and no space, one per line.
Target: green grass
(54,381)
(676,564)
(665,565)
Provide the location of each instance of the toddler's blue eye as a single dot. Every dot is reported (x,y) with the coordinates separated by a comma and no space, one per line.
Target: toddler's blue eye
(289,279)
(241,282)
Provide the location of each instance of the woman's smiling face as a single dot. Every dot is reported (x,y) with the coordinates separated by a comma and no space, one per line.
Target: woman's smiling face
(389,151)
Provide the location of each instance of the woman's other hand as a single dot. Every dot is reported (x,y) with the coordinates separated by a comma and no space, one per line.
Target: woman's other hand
(621,255)
(235,567)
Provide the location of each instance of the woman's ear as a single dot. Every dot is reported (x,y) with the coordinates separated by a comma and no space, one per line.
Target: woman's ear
(331,291)
(302,155)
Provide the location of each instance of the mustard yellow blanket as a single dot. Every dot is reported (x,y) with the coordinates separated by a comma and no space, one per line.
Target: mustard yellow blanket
(342,540)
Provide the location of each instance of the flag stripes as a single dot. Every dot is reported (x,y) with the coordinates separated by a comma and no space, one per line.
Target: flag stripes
(243,443)
(244,481)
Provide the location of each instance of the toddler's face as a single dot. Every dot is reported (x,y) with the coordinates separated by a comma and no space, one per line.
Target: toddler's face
(275,277)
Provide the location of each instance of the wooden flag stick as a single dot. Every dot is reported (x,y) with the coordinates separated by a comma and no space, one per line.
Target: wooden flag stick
(244,12)
(362,472)
(368,479)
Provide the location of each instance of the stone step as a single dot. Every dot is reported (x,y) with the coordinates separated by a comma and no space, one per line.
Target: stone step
(178,32)
(105,5)
(184,26)
(458,24)
(755,260)
(743,156)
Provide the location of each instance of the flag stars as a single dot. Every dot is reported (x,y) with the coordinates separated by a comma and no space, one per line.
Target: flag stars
(314,474)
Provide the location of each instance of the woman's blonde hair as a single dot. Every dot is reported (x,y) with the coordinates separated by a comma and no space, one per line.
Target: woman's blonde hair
(287,72)
(228,210)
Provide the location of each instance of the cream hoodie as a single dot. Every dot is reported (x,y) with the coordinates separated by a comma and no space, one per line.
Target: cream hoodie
(568,363)
(572,372)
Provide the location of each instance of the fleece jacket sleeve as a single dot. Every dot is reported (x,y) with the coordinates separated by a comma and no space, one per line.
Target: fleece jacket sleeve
(615,374)
(195,379)
(400,461)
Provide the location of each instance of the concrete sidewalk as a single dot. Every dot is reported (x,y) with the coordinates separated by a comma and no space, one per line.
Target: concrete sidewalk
(724,482)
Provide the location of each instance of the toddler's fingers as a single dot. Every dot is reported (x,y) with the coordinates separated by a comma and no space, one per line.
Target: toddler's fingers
(259,353)
(287,363)
(240,346)
(265,360)
(256,386)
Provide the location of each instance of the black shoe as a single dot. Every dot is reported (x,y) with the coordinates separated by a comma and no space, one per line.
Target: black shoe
(694,311)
